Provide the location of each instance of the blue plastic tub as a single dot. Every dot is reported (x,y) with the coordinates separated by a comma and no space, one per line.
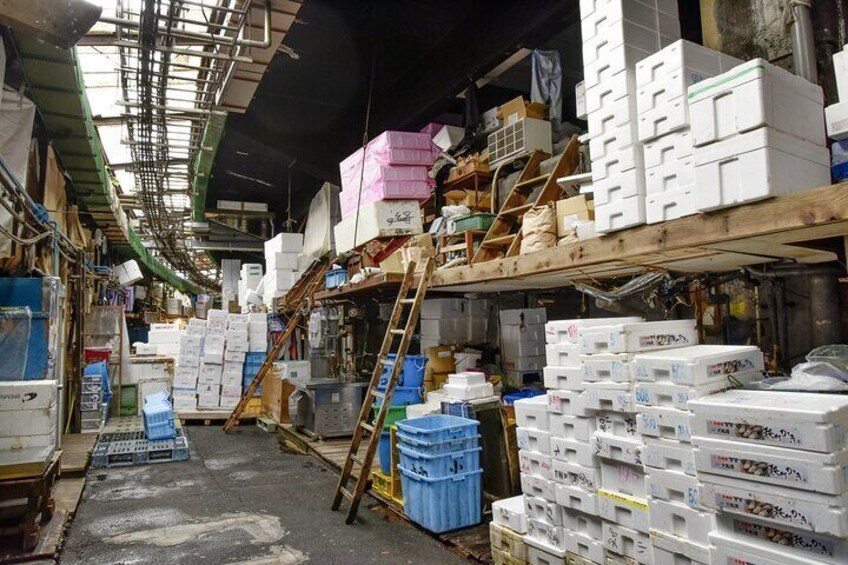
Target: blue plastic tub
(438,428)
(384,448)
(509,399)
(442,505)
(404,396)
(335,278)
(413,370)
(438,448)
(438,466)
(158,416)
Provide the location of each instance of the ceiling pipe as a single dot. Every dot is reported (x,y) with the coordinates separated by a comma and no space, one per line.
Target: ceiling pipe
(803,43)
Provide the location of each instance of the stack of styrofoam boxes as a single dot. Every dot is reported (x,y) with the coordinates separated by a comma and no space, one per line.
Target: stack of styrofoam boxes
(282,265)
(607,354)
(758,132)
(453,321)
(229,281)
(166,339)
(617,34)
(257,332)
(522,341)
(28,421)
(774,465)
(836,115)
(469,385)
(235,350)
(666,380)
(249,281)
(506,531)
(208,374)
(662,81)
(186,373)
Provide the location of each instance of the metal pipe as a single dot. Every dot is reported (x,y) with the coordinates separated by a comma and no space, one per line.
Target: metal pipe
(803,43)
(824,308)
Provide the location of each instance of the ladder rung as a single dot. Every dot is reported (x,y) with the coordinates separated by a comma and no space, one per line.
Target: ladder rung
(377,394)
(407,301)
(387,362)
(357,460)
(367,427)
(517,211)
(499,241)
(346,493)
(397,332)
(531,182)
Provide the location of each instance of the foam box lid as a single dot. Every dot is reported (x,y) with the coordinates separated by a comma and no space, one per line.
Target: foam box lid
(798,406)
(755,69)
(758,139)
(27,395)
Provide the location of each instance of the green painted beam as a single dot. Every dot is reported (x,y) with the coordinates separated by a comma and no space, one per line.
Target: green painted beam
(203,164)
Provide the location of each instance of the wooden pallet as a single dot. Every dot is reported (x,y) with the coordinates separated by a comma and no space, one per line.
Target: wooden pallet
(211,417)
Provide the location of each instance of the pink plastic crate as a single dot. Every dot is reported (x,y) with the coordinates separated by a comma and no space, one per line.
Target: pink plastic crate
(384,190)
(374,174)
(394,148)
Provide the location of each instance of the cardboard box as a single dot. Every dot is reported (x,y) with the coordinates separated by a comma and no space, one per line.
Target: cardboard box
(570,209)
(275,398)
(393,263)
(27,395)
(517,109)
(440,359)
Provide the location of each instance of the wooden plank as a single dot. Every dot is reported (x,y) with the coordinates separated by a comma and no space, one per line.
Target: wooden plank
(76,450)
(378,282)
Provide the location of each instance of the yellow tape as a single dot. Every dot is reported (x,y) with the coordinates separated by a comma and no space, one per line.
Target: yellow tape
(624,499)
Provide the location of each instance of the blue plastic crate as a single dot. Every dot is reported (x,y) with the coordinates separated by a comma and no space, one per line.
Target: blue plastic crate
(255,358)
(445,504)
(403,395)
(438,428)
(158,417)
(384,448)
(509,399)
(157,398)
(438,448)
(335,278)
(438,466)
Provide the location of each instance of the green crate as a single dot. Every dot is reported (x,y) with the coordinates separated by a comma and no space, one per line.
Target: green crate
(479,222)
(396,414)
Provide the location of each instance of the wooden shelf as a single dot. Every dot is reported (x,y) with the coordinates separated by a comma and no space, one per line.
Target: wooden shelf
(724,240)
(371,286)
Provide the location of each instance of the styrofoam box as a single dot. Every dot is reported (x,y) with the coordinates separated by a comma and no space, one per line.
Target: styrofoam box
(659,16)
(539,553)
(580,100)
(808,421)
(563,354)
(836,120)
(234,356)
(670,72)
(189,358)
(616,448)
(757,533)
(284,243)
(616,187)
(577,499)
(567,331)
(588,549)
(806,470)
(623,478)
(18,396)
(678,396)
(467,378)
(755,165)
(382,218)
(530,439)
(527,332)
(679,550)
(681,520)
(752,95)
(183,381)
(627,542)
(537,508)
(532,413)
(620,85)
(577,475)
(524,317)
(510,513)
(729,548)
(670,175)
(568,402)
(781,506)
(607,367)
(444,327)
(840,70)
(469,392)
(436,308)
(620,215)
(545,535)
(572,427)
(186,372)
(538,486)
(673,486)
(668,150)
(524,348)
(609,397)
(628,511)
(563,378)
(573,451)
(608,35)
(663,422)
(667,116)
(615,60)
(669,205)
(231,380)
(636,337)
(582,524)
(508,541)
(669,455)
(617,423)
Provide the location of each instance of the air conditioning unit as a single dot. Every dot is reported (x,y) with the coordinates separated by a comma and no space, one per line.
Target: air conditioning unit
(519,139)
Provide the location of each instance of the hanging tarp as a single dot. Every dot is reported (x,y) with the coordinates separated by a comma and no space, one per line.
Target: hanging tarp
(324,213)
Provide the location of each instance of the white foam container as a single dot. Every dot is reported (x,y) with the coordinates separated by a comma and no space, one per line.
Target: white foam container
(532,463)
(587,549)
(666,151)
(663,557)
(637,337)
(545,536)
(685,551)
(572,427)
(623,478)
(755,165)
(670,205)
(523,317)
(468,392)
(615,10)
(781,506)
(671,176)
(532,413)
(673,486)
(681,520)
(615,60)
(753,95)
(836,118)
(510,513)
(619,174)
(805,470)
(568,331)
(566,402)
(669,455)
(507,541)
(620,85)
(577,499)
(617,423)
(696,364)
(467,378)
(611,137)
(628,542)
(808,421)
(537,486)
(628,511)
(665,117)
(528,332)
(563,378)
(562,354)
(678,396)
(610,397)
(669,73)
(607,367)
(574,474)
(581,524)
(662,422)
(537,508)
(728,548)
(620,215)
(571,451)
(613,34)
(543,554)
(531,439)
(619,449)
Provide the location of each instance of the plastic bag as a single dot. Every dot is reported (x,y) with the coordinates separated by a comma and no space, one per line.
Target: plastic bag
(836,355)
(815,377)
(15,327)
(455,211)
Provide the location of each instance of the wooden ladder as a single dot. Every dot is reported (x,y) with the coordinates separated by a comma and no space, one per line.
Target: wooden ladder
(375,428)
(306,287)
(504,236)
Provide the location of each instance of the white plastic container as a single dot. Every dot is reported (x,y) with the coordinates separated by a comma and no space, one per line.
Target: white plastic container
(607,367)
(620,215)
(587,548)
(567,331)
(678,396)
(617,423)
(571,451)
(669,204)
(688,552)
(568,402)
(537,508)
(610,397)
(562,354)
(673,486)
(628,511)
(620,449)
(696,364)
(623,478)
(510,513)
(508,542)
(805,470)
(571,427)
(564,378)
(627,542)
(669,455)
(532,413)
(681,520)
(383,218)
(577,499)
(808,421)
(663,422)
(753,95)
(537,486)
(755,165)
(783,507)
(530,439)
(545,536)
(573,474)
(468,392)
(636,337)
(729,548)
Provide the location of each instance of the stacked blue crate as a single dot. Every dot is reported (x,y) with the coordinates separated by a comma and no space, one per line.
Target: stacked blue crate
(440,471)
(252,363)
(158,416)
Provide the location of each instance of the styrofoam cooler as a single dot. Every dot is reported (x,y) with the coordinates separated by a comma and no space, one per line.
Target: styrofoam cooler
(574,474)
(545,536)
(563,378)
(569,402)
(728,548)
(623,477)
(615,59)
(669,455)
(584,549)
(572,451)
(530,439)
(674,486)
(539,553)
(537,508)
(508,542)
(674,550)
(681,520)
(609,34)
(666,154)
(664,422)
(532,413)
(538,486)
(620,85)
(384,218)
(617,448)
(567,331)
(571,427)
(620,215)
(669,205)
(636,337)
(628,511)
(618,186)
(533,463)
(524,317)
(613,367)
(696,364)
(627,542)
(678,396)
(645,14)
(619,424)
(577,498)
(610,397)
(562,354)
(510,513)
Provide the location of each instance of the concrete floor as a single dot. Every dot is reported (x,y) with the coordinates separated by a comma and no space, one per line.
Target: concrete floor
(238,500)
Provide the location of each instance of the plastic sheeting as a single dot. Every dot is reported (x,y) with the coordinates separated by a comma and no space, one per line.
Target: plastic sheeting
(324,213)
(15,328)
(17,114)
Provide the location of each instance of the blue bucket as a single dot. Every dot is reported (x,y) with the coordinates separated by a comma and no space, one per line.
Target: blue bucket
(384,448)
(413,371)
(404,395)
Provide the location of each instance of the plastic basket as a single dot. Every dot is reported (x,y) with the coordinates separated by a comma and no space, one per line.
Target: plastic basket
(158,420)
(438,466)
(438,428)
(438,448)
(396,414)
(384,448)
(335,278)
(480,221)
(445,504)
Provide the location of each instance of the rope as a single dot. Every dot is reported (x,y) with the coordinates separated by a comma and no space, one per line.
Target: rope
(364,144)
